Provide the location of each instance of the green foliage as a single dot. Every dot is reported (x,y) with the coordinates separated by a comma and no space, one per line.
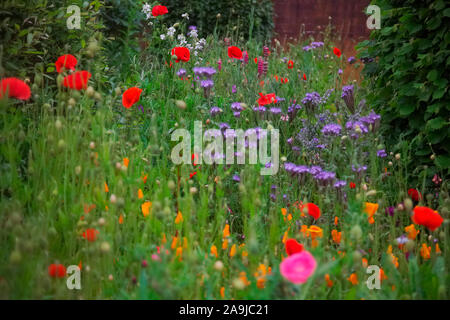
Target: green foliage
(34,33)
(409,76)
(250,18)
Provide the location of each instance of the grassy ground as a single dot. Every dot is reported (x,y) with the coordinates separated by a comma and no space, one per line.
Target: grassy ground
(78,160)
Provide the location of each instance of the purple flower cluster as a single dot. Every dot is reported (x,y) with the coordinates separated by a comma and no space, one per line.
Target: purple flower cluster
(207,83)
(331,129)
(237,108)
(206,72)
(311,101)
(215,111)
(313,45)
(381,153)
(347,95)
(181,73)
(356,128)
(372,119)
(322,177)
(292,110)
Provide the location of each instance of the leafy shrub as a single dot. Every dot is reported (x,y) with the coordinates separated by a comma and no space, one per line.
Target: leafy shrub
(252,18)
(409,76)
(33,33)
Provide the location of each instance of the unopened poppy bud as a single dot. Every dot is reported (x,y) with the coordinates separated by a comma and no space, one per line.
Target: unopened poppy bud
(58,124)
(110,277)
(397,156)
(390,164)
(193,190)
(61,144)
(408,204)
(238,284)
(371,193)
(176,24)
(77,170)
(357,256)
(218,265)
(432,157)
(283,159)
(113,199)
(101,221)
(105,247)
(117,91)
(92,145)
(356,232)
(409,245)
(90,91)
(171,184)
(167,211)
(181,104)
(400,207)
(118,165)
(15,257)
(97,96)
(218,16)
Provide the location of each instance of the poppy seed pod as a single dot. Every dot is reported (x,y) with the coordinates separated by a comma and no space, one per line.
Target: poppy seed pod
(408,204)
(180,104)
(356,232)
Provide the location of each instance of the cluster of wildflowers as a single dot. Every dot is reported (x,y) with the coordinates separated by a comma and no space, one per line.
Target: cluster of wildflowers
(204,75)
(313,45)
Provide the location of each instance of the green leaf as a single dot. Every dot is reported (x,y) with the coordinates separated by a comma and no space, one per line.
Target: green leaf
(436,123)
(439,93)
(433,75)
(443,161)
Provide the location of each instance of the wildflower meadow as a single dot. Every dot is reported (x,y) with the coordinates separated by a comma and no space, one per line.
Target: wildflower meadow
(173,162)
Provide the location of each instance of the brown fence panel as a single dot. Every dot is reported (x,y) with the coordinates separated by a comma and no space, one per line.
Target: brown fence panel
(297,18)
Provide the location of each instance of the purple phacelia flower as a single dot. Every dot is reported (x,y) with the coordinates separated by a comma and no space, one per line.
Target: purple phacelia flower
(215,111)
(381,153)
(331,129)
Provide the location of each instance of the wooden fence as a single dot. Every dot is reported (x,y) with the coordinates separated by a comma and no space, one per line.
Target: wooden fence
(302,18)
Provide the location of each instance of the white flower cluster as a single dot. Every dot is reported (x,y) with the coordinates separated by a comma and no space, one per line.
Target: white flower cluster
(147,9)
(185,15)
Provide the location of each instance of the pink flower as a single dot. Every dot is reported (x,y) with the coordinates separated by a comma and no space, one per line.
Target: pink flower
(155,257)
(297,268)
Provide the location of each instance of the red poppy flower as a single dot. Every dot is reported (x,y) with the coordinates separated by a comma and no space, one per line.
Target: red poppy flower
(234,52)
(304,76)
(352,185)
(414,194)
(77,80)
(290,64)
(159,10)
(337,52)
(66,61)
(90,234)
(292,246)
(131,96)
(57,271)
(266,99)
(427,217)
(182,54)
(313,210)
(256,60)
(15,88)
